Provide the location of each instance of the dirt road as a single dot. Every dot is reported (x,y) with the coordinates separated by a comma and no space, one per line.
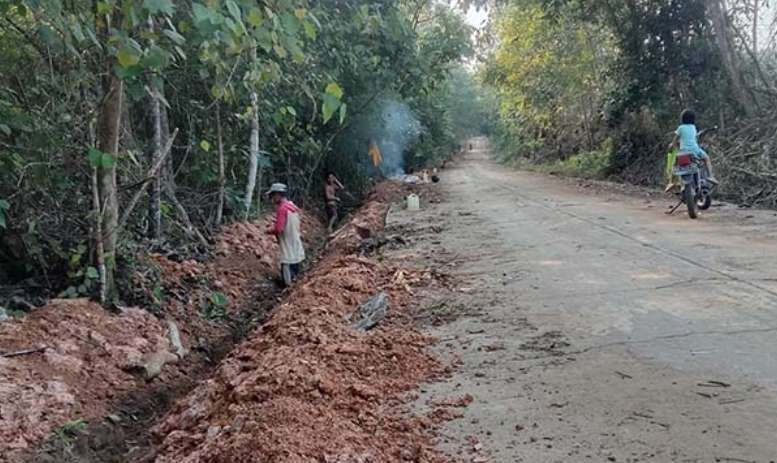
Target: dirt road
(590,326)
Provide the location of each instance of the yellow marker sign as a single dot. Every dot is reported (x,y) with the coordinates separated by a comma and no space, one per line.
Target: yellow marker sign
(377,158)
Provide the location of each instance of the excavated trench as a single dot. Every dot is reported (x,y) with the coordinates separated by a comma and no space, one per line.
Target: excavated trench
(122,431)
(124,434)
(303,385)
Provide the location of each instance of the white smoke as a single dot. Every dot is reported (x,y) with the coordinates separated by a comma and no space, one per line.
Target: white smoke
(397,131)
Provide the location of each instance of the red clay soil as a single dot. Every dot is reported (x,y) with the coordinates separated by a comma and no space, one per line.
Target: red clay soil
(89,360)
(369,220)
(94,357)
(306,386)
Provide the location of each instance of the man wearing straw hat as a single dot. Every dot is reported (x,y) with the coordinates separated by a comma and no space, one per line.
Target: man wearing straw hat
(287,228)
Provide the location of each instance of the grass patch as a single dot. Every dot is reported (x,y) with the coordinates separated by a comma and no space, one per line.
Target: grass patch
(595,165)
(69,431)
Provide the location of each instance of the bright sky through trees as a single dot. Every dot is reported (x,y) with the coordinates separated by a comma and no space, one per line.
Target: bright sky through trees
(476,18)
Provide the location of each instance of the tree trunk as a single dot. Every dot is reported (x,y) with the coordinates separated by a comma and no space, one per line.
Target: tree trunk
(222,170)
(98,236)
(98,254)
(756,11)
(155,195)
(108,130)
(253,162)
(259,192)
(718,11)
(168,166)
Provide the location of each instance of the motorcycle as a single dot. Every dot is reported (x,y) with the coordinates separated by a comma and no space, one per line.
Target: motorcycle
(695,187)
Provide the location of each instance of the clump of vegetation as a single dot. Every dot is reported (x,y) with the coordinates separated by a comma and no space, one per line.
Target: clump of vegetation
(594,165)
(68,432)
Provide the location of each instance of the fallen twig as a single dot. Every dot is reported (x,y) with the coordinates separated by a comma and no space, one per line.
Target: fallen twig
(19,353)
(673,209)
(714,384)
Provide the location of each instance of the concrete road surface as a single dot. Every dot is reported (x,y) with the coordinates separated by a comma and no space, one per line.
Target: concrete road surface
(591,326)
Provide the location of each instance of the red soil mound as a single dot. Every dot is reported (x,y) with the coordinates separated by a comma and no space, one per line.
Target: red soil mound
(89,360)
(306,386)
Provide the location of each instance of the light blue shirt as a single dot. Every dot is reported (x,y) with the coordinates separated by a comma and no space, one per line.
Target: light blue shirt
(689,139)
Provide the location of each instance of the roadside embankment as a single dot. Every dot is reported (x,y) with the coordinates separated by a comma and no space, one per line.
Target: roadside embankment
(68,365)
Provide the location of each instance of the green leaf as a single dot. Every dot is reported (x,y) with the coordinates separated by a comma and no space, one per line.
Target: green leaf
(205,145)
(92,273)
(174,36)
(255,17)
(5,129)
(219,299)
(217,91)
(159,6)
(93,38)
(99,159)
(107,161)
(4,206)
(78,33)
(156,58)
(291,25)
(334,89)
(127,57)
(331,104)
(291,110)
(95,157)
(69,293)
(131,155)
(234,10)
(48,35)
(280,51)
(343,112)
(201,12)
(159,294)
(296,51)
(310,29)
(128,73)
(103,8)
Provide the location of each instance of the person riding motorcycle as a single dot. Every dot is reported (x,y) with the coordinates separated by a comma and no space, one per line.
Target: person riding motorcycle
(688,137)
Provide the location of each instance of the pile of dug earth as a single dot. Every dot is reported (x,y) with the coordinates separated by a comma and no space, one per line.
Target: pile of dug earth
(309,385)
(72,362)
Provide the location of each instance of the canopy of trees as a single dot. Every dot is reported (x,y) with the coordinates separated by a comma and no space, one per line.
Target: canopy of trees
(144,124)
(610,78)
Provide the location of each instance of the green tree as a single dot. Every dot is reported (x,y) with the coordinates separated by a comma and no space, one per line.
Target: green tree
(248,87)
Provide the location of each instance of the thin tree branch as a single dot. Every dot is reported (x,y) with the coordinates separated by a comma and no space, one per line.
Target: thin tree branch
(152,173)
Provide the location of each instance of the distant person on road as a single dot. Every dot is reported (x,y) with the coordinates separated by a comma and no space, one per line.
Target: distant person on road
(333,185)
(287,228)
(687,136)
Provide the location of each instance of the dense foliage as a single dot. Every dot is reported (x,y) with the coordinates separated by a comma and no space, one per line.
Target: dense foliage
(130,125)
(602,84)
